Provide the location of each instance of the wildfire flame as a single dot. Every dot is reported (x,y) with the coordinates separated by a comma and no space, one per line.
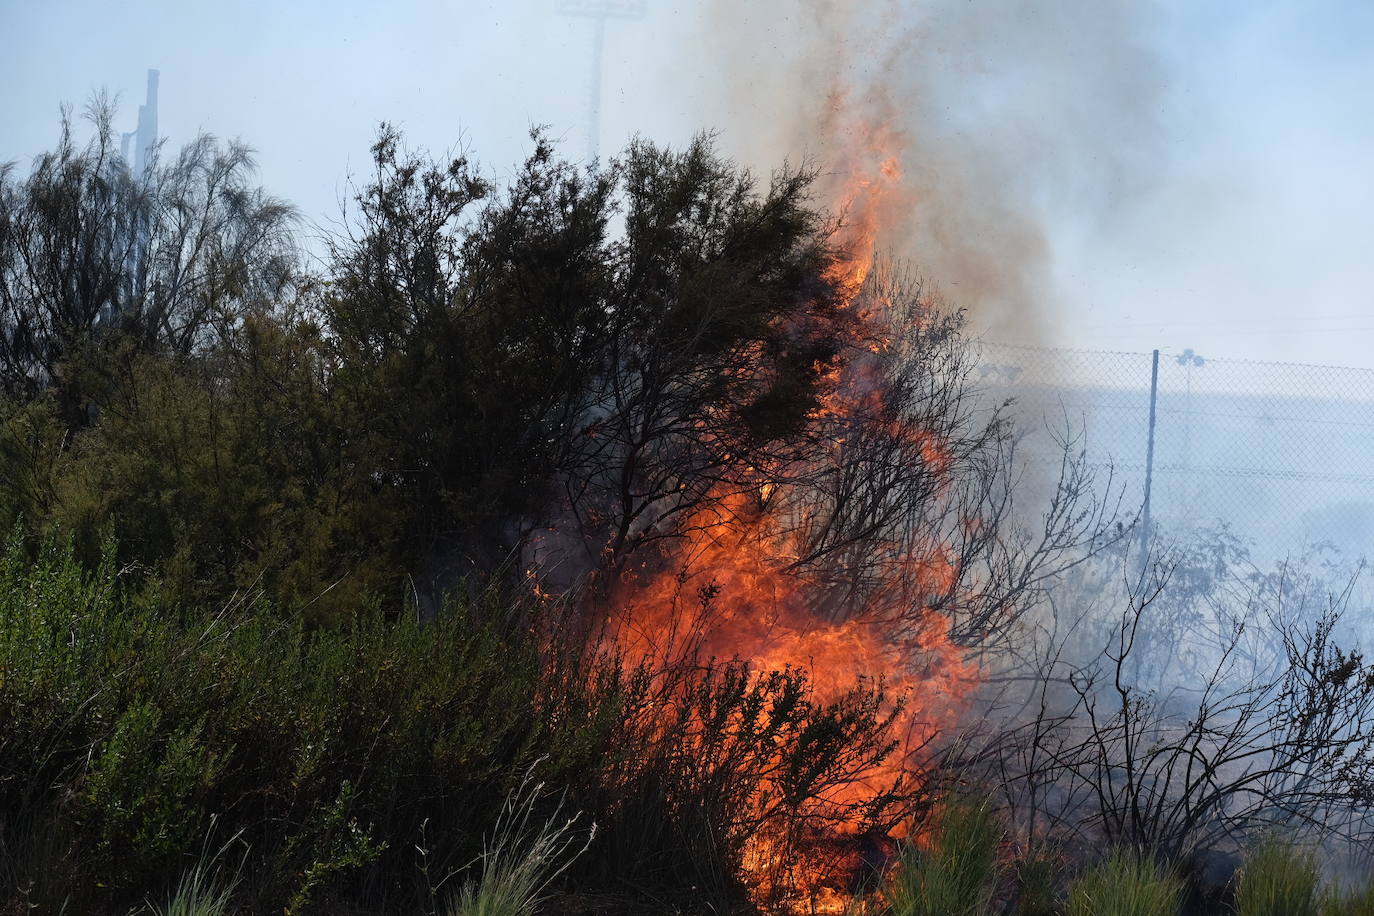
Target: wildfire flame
(739,559)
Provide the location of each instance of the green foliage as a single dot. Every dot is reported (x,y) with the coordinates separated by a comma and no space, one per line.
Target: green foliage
(136,724)
(504,348)
(338,843)
(471,359)
(145,780)
(958,875)
(30,451)
(323,487)
(225,485)
(1277,879)
(1126,883)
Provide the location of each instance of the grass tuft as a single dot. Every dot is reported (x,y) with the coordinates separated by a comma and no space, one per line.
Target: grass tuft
(1125,884)
(958,875)
(523,857)
(1039,875)
(201,892)
(1278,880)
(1360,902)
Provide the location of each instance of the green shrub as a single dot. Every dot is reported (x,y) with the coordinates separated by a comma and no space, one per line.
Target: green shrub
(222,484)
(1278,880)
(31,449)
(1125,884)
(134,723)
(958,875)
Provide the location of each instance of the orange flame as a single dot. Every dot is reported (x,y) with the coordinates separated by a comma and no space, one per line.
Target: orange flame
(741,556)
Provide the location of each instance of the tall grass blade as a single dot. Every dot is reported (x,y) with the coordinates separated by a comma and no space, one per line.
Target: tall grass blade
(523,857)
(1278,880)
(958,875)
(201,892)
(1125,884)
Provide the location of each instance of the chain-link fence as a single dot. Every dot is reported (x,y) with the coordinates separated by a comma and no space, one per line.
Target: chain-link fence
(1282,453)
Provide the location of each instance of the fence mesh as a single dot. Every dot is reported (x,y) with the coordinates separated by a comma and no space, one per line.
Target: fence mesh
(1281,453)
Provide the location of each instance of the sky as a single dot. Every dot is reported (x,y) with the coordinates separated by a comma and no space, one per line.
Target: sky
(1137,175)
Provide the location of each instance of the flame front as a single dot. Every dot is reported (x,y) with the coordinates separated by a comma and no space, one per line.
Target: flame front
(738,584)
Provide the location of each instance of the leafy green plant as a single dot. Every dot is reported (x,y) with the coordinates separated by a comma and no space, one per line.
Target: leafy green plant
(1126,883)
(957,876)
(135,722)
(306,623)
(1278,879)
(339,843)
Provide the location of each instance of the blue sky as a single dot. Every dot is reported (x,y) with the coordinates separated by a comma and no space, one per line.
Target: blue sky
(1218,195)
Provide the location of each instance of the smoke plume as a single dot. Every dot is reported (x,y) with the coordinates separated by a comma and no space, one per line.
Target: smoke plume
(993,123)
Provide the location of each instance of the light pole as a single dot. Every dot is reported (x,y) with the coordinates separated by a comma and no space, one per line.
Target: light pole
(598,11)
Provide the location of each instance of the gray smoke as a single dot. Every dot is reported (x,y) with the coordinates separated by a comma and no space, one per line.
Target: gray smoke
(1005,117)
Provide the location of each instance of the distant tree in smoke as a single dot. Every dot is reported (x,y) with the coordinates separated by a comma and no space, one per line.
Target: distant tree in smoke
(94,257)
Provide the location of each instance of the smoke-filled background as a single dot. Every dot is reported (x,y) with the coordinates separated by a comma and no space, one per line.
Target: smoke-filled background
(1116,175)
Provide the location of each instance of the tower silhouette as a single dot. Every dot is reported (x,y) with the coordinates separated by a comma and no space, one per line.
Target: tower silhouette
(144,138)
